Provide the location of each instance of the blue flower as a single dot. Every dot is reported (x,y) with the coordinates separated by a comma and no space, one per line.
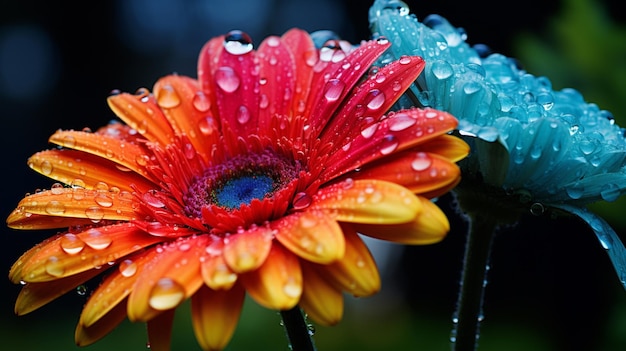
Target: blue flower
(537,149)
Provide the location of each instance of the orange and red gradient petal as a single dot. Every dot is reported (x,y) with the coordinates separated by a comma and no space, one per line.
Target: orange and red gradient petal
(187,108)
(141,112)
(313,235)
(357,272)
(418,171)
(34,295)
(75,203)
(451,147)
(172,276)
(115,288)
(80,169)
(321,300)
(367,201)
(214,269)
(70,254)
(248,250)
(277,284)
(123,153)
(160,331)
(215,314)
(87,335)
(429,227)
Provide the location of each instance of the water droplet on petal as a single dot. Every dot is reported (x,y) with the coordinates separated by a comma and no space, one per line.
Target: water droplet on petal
(128,268)
(377,99)
(389,144)
(207,125)
(610,192)
(57,188)
(369,131)
(421,162)
(46,167)
(243,114)
(201,102)
(96,239)
(54,267)
(168,97)
(227,79)
(237,42)
(401,121)
(292,289)
(71,244)
(333,90)
(166,294)
(55,208)
(301,201)
(152,200)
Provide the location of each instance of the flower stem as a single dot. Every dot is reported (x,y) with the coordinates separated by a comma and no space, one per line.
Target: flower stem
(469,311)
(297,330)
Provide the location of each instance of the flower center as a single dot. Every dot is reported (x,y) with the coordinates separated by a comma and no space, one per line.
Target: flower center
(242,190)
(239,180)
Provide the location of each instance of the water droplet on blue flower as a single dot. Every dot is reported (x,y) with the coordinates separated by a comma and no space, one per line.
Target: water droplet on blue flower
(610,192)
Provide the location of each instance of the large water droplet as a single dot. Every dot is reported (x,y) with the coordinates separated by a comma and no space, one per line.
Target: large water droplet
(166,294)
(55,208)
(168,97)
(96,239)
(610,192)
(54,267)
(376,99)
(389,144)
(243,114)
(71,244)
(301,201)
(421,162)
(333,90)
(128,268)
(237,42)
(400,121)
(292,289)
(227,79)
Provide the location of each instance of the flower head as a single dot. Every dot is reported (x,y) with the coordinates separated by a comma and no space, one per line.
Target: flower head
(254,178)
(533,148)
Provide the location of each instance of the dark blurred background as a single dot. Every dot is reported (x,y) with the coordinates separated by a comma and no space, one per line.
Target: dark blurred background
(551,287)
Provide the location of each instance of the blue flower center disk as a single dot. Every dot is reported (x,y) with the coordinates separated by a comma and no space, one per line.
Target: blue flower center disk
(243,190)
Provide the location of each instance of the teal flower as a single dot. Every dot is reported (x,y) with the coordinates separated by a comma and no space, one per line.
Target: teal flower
(533,148)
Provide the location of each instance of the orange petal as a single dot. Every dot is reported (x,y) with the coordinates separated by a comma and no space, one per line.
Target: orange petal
(277,284)
(160,331)
(115,288)
(368,201)
(141,113)
(215,272)
(429,227)
(93,205)
(246,251)
(188,110)
(168,279)
(215,314)
(70,254)
(313,235)
(449,146)
(418,171)
(87,335)
(123,153)
(321,300)
(84,170)
(356,273)
(34,295)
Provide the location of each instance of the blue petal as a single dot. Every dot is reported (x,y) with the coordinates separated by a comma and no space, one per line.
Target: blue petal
(607,237)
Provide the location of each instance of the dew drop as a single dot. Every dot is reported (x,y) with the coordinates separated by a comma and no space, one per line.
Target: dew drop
(369,131)
(69,141)
(401,121)
(54,267)
(333,90)
(222,276)
(57,188)
(55,208)
(574,191)
(103,199)
(389,144)
(377,99)
(237,42)
(151,199)
(301,201)
(537,209)
(128,268)
(71,244)
(166,294)
(610,192)
(421,162)
(96,239)
(243,114)
(81,290)
(207,125)
(292,289)
(167,97)
(46,167)
(227,79)
(201,102)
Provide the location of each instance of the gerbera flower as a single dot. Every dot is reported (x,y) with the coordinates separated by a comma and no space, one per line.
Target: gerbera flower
(534,150)
(254,178)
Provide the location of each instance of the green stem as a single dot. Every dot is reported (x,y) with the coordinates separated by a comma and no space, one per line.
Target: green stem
(473,280)
(297,330)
